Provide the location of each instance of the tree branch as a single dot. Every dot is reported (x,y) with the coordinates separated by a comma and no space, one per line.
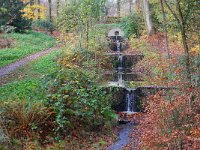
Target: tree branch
(173,13)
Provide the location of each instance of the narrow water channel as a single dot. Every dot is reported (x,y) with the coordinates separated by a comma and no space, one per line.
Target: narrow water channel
(123,137)
(129,99)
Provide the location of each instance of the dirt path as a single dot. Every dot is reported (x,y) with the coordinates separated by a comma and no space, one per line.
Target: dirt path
(13,66)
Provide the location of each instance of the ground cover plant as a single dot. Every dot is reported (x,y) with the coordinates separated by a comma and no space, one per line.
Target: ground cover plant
(29,79)
(23,45)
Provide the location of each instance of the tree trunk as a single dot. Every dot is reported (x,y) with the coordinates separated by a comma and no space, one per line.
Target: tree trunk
(38,2)
(31,2)
(147,17)
(57,11)
(166,35)
(87,34)
(130,6)
(57,8)
(50,14)
(118,7)
(184,40)
(181,23)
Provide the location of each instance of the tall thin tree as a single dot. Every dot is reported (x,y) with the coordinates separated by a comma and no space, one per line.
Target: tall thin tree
(31,2)
(118,8)
(166,35)
(130,6)
(38,10)
(147,16)
(182,23)
(50,13)
(57,8)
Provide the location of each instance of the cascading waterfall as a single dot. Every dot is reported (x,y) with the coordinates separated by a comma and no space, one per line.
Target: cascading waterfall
(127,98)
(120,66)
(118,45)
(130,95)
(130,99)
(120,77)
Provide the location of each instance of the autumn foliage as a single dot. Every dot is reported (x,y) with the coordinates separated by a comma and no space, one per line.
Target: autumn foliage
(173,122)
(171,119)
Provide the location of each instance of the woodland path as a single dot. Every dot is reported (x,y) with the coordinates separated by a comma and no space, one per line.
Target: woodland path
(15,65)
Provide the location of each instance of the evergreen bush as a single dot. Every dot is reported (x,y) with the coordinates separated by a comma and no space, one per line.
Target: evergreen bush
(43,25)
(11,14)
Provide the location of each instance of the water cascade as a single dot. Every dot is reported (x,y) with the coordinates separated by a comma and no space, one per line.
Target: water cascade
(120,63)
(118,45)
(131,101)
(126,99)
(130,95)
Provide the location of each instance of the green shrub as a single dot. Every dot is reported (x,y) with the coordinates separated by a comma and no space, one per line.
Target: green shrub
(7,29)
(11,14)
(194,69)
(25,120)
(131,25)
(42,25)
(77,100)
(27,88)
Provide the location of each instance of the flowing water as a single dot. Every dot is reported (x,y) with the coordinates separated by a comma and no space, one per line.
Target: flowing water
(130,101)
(123,138)
(118,45)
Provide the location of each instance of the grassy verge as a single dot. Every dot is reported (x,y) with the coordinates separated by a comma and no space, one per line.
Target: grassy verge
(23,45)
(28,84)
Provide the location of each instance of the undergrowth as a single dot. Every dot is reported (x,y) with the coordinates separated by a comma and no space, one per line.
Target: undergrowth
(29,80)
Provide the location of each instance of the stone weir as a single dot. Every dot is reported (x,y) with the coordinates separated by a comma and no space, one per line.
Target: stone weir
(125,99)
(123,65)
(119,95)
(129,60)
(114,76)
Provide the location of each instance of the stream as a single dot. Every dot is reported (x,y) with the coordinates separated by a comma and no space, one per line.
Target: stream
(129,98)
(123,138)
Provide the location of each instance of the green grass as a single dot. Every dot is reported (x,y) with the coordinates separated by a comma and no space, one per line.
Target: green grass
(31,87)
(24,45)
(105,28)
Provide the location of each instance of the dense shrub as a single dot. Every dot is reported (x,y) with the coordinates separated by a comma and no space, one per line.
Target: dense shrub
(180,70)
(7,29)
(77,100)
(11,14)
(43,25)
(131,25)
(26,120)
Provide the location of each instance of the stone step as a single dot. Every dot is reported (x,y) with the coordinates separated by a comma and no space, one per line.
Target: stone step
(128,59)
(114,76)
